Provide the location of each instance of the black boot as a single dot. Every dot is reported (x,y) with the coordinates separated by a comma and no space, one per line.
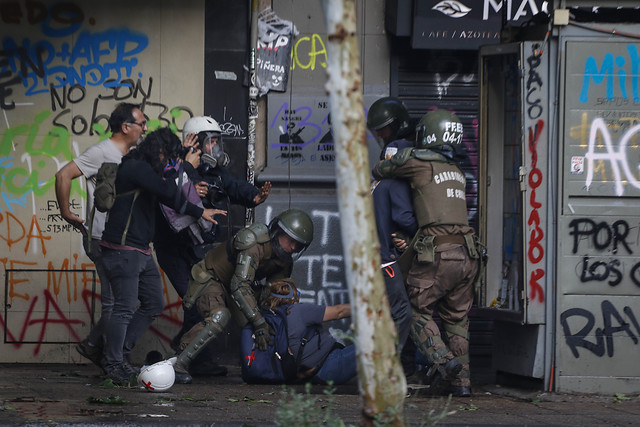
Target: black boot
(182,376)
(441,375)
(459,391)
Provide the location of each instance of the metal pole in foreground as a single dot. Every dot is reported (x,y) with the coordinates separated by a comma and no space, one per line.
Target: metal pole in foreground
(382,381)
(253,106)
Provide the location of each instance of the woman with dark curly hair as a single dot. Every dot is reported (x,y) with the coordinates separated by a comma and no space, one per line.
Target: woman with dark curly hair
(128,260)
(323,358)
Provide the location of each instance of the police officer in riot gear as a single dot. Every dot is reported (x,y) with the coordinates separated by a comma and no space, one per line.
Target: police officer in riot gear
(227,272)
(388,119)
(444,259)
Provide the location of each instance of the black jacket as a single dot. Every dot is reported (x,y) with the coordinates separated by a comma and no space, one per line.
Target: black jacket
(238,191)
(137,174)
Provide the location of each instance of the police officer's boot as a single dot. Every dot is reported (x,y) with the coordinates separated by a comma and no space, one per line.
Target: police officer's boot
(212,327)
(460,385)
(443,366)
(459,345)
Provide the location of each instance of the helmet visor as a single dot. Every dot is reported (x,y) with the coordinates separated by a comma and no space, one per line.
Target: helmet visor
(208,140)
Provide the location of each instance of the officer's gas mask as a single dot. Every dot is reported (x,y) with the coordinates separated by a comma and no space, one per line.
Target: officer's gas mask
(212,149)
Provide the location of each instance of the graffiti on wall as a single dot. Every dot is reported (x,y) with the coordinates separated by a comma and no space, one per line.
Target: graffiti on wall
(611,136)
(618,73)
(61,305)
(611,162)
(61,74)
(309,53)
(604,140)
(302,135)
(599,340)
(535,113)
(607,251)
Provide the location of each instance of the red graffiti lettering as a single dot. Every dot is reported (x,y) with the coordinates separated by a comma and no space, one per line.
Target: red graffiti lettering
(52,316)
(536,289)
(60,320)
(45,321)
(535,250)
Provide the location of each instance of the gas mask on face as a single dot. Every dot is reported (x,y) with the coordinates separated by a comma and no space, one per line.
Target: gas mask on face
(212,147)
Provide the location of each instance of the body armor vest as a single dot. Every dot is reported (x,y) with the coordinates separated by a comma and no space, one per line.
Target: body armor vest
(443,200)
(222,260)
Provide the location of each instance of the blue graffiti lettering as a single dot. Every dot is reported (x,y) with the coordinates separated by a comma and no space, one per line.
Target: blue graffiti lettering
(104,58)
(606,73)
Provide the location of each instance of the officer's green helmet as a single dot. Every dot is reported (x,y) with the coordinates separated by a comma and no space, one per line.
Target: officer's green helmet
(389,111)
(438,127)
(296,224)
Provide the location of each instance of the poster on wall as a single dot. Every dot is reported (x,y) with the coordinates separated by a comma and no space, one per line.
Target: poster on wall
(273,55)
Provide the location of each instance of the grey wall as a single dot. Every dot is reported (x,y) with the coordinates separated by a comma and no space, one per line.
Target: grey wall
(598,285)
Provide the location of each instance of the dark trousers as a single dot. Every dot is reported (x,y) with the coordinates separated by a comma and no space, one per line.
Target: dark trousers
(398,301)
(138,300)
(176,264)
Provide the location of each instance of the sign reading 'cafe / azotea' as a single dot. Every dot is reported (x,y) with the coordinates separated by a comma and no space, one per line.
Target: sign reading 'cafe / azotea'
(466,24)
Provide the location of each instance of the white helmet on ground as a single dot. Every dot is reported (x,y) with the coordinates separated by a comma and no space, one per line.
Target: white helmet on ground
(199,124)
(159,376)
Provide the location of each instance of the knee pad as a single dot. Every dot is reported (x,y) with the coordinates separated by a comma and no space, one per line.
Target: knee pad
(429,343)
(200,279)
(460,329)
(458,337)
(219,319)
(213,326)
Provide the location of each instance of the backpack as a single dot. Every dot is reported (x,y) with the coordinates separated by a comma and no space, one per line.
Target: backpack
(104,195)
(276,364)
(179,221)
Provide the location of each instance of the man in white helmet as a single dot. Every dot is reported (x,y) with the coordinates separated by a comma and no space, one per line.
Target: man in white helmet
(217,187)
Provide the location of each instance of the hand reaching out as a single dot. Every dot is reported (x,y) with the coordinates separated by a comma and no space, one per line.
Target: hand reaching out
(208,214)
(263,193)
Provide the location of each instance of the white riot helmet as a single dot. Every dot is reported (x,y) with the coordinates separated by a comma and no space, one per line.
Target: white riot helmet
(159,376)
(206,129)
(200,124)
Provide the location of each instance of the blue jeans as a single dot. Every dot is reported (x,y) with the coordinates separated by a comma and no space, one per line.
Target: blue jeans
(339,367)
(134,276)
(97,335)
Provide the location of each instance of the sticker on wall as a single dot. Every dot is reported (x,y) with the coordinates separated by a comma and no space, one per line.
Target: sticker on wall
(225,75)
(577,165)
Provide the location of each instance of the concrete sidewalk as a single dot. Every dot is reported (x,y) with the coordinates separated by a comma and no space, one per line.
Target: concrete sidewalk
(71,394)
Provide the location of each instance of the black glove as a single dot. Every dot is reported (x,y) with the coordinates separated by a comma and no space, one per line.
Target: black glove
(263,335)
